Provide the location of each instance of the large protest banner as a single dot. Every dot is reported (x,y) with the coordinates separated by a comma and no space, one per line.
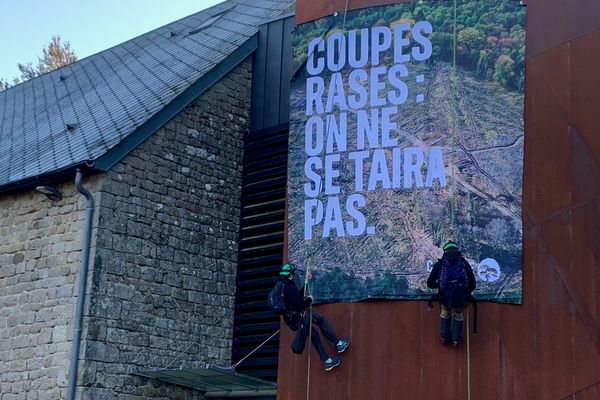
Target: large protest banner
(406,130)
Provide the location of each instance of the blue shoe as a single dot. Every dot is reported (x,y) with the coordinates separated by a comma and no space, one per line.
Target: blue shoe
(343,346)
(329,365)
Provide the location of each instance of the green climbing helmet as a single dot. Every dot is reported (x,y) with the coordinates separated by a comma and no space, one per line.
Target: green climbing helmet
(287,269)
(449,245)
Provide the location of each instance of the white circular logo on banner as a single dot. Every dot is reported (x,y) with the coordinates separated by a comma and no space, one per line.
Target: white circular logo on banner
(488,270)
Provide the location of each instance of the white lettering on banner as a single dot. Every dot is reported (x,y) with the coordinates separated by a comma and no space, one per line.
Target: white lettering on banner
(348,220)
(315,86)
(351,137)
(358,60)
(333,51)
(354,93)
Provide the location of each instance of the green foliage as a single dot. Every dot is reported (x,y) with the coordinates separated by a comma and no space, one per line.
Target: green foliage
(483,64)
(338,285)
(442,46)
(491,134)
(504,70)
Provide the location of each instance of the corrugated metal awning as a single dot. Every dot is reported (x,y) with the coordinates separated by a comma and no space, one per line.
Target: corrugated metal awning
(215,382)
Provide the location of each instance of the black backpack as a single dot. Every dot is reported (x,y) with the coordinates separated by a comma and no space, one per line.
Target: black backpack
(276,299)
(453,281)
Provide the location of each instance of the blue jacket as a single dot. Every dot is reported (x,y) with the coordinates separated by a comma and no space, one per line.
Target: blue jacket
(295,302)
(432,281)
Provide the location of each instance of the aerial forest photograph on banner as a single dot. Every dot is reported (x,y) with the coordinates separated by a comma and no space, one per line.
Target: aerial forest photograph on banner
(406,130)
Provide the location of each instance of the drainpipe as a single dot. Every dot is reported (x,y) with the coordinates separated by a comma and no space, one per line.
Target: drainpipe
(87,237)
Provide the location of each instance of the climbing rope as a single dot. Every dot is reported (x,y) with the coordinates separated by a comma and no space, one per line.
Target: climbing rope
(468,355)
(306,293)
(309,263)
(454,101)
(234,366)
(191,344)
(306,290)
(453,96)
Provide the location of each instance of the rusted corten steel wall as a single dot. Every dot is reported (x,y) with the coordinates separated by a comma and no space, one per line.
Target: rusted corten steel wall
(547,348)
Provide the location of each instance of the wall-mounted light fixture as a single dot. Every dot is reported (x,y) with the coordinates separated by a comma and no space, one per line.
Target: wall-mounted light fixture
(50,191)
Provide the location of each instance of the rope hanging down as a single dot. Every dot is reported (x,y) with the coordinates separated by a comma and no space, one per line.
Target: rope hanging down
(307,277)
(307,291)
(468,356)
(454,100)
(309,263)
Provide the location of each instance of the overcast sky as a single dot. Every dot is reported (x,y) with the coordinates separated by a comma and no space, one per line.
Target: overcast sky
(26,26)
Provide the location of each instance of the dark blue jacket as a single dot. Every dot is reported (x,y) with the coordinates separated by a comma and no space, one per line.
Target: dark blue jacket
(295,302)
(432,281)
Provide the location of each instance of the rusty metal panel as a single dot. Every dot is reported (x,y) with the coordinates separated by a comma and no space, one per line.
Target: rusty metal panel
(589,393)
(585,101)
(547,348)
(553,22)
(547,136)
(392,343)
(585,280)
(554,313)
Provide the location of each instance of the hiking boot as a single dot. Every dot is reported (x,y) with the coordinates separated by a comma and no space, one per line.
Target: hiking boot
(329,365)
(341,347)
(445,324)
(457,327)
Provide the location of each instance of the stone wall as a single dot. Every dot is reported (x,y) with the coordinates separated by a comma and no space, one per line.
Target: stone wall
(163,259)
(164,270)
(40,250)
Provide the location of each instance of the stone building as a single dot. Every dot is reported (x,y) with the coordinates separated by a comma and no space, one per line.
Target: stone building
(155,131)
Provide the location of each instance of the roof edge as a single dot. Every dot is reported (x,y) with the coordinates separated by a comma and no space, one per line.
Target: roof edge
(278,18)
(158,120)
(47,178)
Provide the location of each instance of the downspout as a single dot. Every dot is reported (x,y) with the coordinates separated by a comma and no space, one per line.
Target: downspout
(87,237)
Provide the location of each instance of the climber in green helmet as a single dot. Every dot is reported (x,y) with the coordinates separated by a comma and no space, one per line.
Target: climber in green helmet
(298,319)
(453,277)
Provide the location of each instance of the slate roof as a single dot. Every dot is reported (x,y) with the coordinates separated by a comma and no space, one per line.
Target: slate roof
(82,111)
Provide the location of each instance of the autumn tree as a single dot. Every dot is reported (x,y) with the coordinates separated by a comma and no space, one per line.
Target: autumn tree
(4,84)
(55,55)
(469,43)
